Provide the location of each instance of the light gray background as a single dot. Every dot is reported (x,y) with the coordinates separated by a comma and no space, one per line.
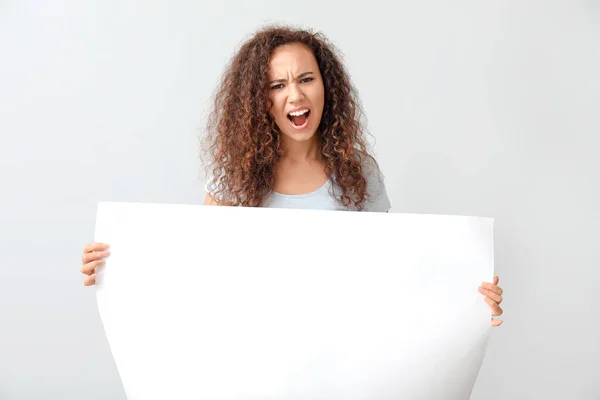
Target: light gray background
(484,108)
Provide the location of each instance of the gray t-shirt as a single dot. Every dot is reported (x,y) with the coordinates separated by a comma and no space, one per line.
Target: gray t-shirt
(322,199)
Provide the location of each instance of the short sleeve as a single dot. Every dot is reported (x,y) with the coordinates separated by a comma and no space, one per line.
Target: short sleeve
(377,200)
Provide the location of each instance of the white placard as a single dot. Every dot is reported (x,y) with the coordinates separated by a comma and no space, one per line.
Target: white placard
(205,302)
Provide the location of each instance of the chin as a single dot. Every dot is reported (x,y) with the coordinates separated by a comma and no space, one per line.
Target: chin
(299,136)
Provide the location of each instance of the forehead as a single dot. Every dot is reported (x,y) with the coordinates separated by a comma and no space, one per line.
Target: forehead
(292,58)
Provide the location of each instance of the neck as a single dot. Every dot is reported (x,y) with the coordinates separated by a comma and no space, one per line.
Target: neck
(301,152)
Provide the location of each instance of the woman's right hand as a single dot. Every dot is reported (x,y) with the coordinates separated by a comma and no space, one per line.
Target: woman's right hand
(93,257)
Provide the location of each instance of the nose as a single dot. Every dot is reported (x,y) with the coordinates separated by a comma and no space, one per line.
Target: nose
(294,93)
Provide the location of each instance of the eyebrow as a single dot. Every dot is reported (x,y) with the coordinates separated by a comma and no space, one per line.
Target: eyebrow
(299,77)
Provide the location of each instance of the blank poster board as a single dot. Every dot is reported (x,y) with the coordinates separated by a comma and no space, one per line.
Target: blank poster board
(205,302)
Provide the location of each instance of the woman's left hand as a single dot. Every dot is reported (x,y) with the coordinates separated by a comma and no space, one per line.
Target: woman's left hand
(493,296)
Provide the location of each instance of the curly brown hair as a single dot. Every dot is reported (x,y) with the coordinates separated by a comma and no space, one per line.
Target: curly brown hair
(243,142)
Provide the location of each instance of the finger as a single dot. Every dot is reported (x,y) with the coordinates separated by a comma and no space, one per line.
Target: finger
(90,267)
(497,322)
(492,288)
(89,280)
(490,294)
(496,280)
(496,310)
(95,247)
(94,255)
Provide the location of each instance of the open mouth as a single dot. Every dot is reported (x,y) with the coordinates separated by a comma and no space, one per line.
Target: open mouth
(299,119)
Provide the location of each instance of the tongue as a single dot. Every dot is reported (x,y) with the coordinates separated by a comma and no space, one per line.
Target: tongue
(300,120)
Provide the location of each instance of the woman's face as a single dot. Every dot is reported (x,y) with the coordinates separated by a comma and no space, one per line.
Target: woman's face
(296,91)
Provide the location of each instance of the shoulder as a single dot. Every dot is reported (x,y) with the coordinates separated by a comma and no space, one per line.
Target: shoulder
(377,197)
(213,187)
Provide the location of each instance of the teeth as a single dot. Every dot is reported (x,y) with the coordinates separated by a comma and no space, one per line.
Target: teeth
(298,113)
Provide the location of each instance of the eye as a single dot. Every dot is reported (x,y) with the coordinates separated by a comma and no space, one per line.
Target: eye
(306,79)
(276,86)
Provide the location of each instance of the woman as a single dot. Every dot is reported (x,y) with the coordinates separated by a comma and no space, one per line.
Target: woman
(285,132)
